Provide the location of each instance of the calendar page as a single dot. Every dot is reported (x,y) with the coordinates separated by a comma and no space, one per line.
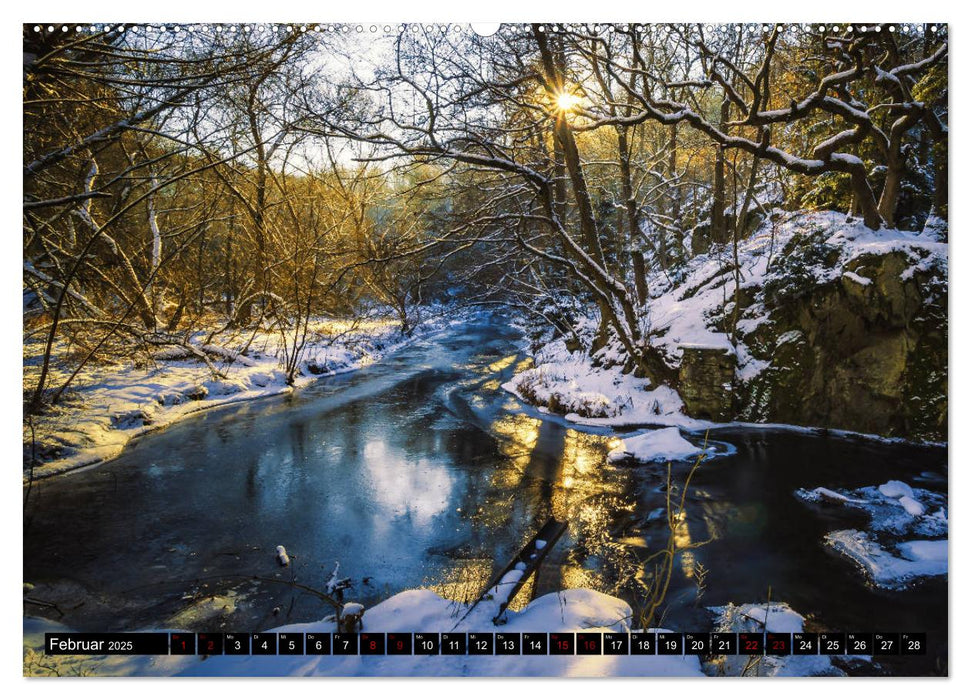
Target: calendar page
(435,348)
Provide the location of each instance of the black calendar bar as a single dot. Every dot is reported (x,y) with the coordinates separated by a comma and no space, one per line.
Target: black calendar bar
(488,643)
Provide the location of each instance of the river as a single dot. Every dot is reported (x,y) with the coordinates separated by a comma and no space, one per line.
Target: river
(421,471)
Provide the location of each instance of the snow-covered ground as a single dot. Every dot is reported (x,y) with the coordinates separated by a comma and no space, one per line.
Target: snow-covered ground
(907,536)
(574,610)
(107,405)
(595,396)
(684,312)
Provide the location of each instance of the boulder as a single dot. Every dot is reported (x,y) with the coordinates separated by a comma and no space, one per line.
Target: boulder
(706,381)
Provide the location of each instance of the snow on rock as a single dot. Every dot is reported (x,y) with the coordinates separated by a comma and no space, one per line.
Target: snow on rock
(924,550)
(683,310)
(821,493)
(691,308)
(919,559)
(897,510)
(911,506)
(662,445)
(896,489)
(889,512)
(753,617)
(853,277)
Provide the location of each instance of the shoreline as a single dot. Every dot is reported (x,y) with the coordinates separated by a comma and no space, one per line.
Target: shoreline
(694,426)
(90,457)
(95,455)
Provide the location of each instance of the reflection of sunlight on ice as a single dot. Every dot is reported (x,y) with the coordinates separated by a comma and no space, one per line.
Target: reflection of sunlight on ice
(580,479)
(573,576)
(418,488)
(519,435)
(498,365)
(511,404)
(688,562)
(577,487)
(717,516)
(682,540)
(465,580)
(582,452)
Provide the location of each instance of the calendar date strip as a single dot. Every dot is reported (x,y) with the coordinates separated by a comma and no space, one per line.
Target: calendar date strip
(486,643)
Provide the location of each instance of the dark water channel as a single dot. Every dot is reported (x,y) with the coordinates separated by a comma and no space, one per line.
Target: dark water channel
(421,471)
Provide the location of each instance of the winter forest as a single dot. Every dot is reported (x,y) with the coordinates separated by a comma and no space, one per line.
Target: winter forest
(525,272)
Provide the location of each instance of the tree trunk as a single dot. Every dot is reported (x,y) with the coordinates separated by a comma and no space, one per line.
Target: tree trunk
(719,225)
(675,192)
(891,189)
(630,208)
(865,199)
(939,153)
(719,233)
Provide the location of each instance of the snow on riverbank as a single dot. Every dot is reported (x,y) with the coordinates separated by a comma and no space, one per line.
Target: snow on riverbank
(109,405)
(419,611)
(692,306)
(897,512)
(565,382)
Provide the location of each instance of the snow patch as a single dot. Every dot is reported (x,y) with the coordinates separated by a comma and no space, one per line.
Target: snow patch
(568,384)
(655,446)
(896,489)
(920,559)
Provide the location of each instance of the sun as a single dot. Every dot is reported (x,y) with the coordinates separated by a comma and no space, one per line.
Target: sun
(567,101)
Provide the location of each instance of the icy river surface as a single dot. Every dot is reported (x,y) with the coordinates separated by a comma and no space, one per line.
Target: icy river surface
(421,471)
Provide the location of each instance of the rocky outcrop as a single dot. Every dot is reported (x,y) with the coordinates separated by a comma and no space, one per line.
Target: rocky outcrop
(826,323)
(706,381)
(865,351)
